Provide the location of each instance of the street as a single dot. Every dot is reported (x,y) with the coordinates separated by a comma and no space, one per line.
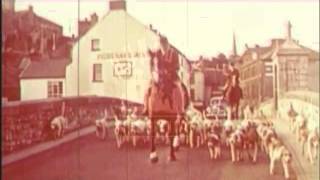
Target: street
(90,158)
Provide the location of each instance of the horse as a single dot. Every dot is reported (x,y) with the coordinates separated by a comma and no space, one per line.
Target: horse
(170,111)
(232,96)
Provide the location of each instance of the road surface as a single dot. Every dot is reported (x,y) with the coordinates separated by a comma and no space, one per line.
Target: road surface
(89,158)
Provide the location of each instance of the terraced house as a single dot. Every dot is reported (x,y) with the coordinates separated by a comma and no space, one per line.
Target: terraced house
(284,65)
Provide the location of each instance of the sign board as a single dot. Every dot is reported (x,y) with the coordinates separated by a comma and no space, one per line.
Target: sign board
(122,69)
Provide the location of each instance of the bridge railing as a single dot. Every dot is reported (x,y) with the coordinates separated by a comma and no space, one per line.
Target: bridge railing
(307,96)
(302,101)
(27,123)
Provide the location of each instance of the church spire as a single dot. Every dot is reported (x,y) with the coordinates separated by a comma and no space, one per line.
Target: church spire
(234,50)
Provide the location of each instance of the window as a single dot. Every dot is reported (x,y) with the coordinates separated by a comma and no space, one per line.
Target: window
(55,89)
(95,44)
(97,72)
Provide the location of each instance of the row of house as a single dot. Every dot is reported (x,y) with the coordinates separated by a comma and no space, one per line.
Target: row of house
(27,37)
(108,59)
(284,65)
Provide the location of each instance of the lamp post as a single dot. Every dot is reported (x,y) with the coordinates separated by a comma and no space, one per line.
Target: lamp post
(276,87)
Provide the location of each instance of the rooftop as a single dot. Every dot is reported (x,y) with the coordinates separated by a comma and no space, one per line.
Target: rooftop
(45,69)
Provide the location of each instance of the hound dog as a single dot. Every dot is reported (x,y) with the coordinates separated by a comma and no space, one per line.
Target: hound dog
(236,145)
(162,127)
(120,131)
(207,124)
(139,131)
(265,134)
(183,131)
(313,144)
(250,139)
(301,128)
(58,125)
(195,131)
(292,114)
(278,152)
(228,127)
(101,127)
(214,140)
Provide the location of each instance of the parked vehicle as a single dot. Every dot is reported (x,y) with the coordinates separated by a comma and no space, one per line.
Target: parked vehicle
(217,107)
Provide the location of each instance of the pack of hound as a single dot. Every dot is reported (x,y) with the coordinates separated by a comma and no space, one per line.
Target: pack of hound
(247,137)
(308,138)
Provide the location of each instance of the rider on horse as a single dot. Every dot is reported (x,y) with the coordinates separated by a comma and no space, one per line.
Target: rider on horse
(232,93)
(164,69)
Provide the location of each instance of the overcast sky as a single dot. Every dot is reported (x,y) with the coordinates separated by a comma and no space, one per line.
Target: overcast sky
(202,27)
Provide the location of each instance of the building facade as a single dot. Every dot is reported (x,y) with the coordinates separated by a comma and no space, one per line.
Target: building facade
(207,79)
(43,79)
(111,58)
(27,35)
(197,87)
(283,66)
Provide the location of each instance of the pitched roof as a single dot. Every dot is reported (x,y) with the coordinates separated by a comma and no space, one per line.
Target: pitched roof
(24,13)
(45,69)
(313,55)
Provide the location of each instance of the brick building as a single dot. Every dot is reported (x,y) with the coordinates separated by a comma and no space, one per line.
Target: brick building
(86,24)
(26,35)
(283,66)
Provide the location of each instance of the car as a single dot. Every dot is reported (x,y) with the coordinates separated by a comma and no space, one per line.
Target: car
(217,107)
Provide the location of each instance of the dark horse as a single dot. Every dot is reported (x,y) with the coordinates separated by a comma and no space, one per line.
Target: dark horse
(233,96)
(166,110)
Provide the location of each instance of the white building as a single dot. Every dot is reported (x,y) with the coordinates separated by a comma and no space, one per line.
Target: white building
(110,59)
(197,87)
(43,79)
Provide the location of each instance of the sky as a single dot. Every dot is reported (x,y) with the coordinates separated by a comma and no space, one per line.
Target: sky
(202,27)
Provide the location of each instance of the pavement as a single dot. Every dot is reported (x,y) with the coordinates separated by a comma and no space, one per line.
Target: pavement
(303,168)
(19,155)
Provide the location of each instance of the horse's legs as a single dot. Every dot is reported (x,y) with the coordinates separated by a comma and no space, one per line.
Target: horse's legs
(153,134)
(171,138)
(153,155)
(229,111)
(237,110)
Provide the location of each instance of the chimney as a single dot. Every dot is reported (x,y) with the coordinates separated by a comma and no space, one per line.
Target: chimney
(94,18)
(150,26)
(117,5)
(73,38)
(257,46)
(30,8)
(289,26)
(247,47)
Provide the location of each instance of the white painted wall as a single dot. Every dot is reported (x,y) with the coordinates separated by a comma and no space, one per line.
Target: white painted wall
(118,33)
(31,89)
(198,86)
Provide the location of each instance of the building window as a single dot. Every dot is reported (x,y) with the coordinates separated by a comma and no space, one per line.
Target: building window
(97,72)
(95,44)
(55,89)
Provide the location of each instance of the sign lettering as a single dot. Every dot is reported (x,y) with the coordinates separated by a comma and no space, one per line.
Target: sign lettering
(123,55)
